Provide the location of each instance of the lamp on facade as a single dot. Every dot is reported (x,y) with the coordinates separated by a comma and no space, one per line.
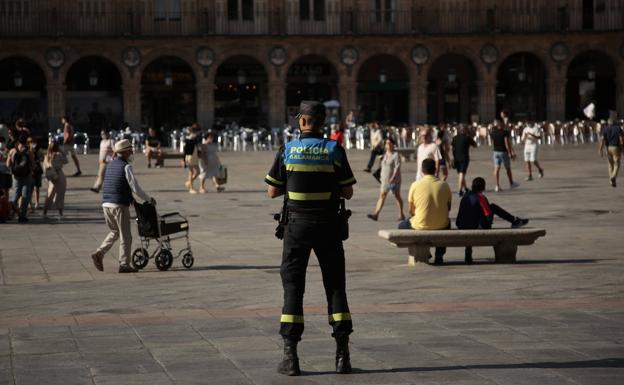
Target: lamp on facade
(241,77)
(168,79)
(452,75)
(93,78)
(591,72)
(521,75)
(18,80)
(382,76)
(311,78)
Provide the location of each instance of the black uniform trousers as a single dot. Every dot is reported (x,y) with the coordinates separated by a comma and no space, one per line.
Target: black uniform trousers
(303,233)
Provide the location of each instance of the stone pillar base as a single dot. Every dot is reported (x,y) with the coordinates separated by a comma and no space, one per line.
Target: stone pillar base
(505,253)
(418,254)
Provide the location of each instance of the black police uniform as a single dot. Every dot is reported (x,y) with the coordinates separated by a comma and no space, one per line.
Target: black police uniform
(312,171)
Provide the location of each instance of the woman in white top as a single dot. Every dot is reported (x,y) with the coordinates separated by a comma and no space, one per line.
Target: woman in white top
(390,180)
(106,156)
(57,182)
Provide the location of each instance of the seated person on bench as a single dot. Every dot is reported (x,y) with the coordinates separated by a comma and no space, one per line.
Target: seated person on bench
(429,205)
(153,150)
(476,212)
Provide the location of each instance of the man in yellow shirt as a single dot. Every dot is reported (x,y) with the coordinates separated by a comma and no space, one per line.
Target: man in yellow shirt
(429,205)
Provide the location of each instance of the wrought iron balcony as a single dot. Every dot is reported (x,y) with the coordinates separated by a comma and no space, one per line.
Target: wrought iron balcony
(24,22)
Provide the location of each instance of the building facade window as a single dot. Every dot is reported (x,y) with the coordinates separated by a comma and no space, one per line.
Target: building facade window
(167,9)
(14,8)
(312,10)
(240,10)
(384,10)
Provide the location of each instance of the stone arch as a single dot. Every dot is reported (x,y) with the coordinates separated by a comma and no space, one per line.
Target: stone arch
(122,69)
(151,56)
(591,78)
(452,94)
(521,86)
(383,90)
(23,83)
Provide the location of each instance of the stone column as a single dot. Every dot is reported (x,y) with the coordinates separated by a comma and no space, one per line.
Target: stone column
(418,102)
(56,105)
(277,103)
(205,103)
(487,100)
(347,91)
(555,99)
(132,103)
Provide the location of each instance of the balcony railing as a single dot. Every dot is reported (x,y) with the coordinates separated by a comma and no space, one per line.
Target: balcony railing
(268,22)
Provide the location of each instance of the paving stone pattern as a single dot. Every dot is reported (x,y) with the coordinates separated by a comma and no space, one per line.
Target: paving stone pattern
(555,317)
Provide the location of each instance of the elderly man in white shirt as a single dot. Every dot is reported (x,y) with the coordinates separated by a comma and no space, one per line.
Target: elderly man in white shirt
(120,189)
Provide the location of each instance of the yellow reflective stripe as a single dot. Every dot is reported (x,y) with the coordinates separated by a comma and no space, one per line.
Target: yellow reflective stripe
(339,317)
(316,196)
(271,179)
(347,181)
(310,167)
(291,319)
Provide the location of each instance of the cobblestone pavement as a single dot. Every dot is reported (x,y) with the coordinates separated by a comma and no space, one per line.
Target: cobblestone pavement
(555,317)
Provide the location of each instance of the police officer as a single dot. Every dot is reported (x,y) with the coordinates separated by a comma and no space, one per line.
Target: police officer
(314,174)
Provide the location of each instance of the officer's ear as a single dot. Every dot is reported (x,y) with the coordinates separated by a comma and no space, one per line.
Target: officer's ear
(302,122)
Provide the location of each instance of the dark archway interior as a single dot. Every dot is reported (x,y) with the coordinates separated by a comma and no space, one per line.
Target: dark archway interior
(168,100)
(590,79)
(94,96)
(311,78)
(451,90)
(521,88)
(241,93)
(383,90)
(23,94)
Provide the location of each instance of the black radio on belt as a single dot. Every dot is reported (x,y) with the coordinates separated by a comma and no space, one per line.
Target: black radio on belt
(343,218)
(282,220)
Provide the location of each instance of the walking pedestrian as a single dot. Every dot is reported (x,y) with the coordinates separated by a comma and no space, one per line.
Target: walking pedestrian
(461,156)
(119,190)
(390,179)
(613,139)
(20,161)
(153,148)
(191,157)
(53,163)
(68,143)
(209,163)
(531,135)
(376,143)
(427,149)
(314,174)
(502,153)
(35,148)
(442,141)
(105,157)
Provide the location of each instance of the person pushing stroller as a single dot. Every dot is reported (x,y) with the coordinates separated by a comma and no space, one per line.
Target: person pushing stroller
(120,189)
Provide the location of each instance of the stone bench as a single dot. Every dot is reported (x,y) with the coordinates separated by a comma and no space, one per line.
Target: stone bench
(504,241)
(171,155)
(408,153)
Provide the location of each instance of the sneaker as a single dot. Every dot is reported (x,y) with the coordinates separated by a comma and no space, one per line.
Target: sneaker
(541,173)
(497,189)
(372,216)
(515,185)
(158,166)
(77,173)
(192,191)
(220,189)
(612,182)
(529,178)
(367,170)
(95,190)
(127,269)
(97,258)
(519,222)
(202,191)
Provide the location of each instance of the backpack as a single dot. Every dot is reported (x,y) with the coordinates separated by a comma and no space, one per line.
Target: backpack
(21,164)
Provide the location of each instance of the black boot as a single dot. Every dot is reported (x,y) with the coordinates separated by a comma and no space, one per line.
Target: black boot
(343,359)
(290,362)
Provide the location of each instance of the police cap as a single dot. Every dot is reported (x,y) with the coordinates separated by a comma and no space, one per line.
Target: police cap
(311,108)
